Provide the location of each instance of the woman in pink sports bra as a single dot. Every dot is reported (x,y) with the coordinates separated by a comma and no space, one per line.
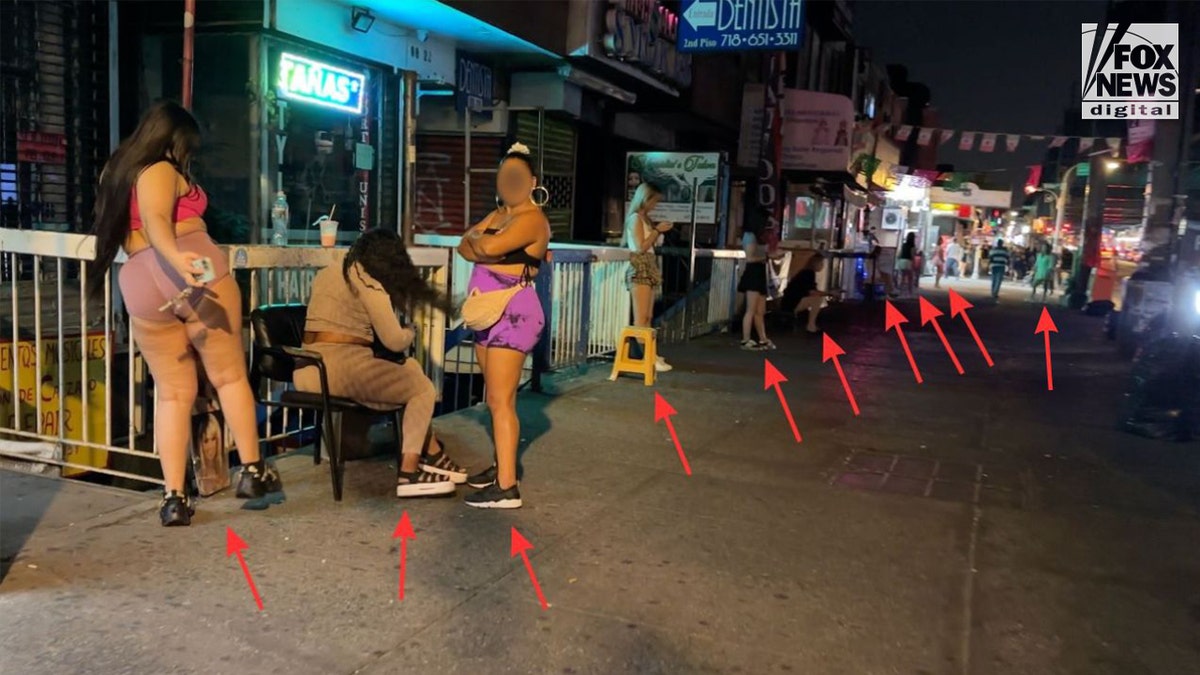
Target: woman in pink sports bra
(147,203)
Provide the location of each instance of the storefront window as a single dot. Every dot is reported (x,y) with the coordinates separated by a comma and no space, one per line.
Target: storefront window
(324,135)
(811,221)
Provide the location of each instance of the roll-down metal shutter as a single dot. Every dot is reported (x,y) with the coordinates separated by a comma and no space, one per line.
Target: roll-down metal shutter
(53,111)
(558,157)
(439,207)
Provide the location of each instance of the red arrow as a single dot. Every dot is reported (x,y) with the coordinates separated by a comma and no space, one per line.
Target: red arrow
(959,305)
(831,350)
(403,532)
(663,411)
(234,544)
(930,314)
(521,545)
(773,378)
(1046,326)
(893,320)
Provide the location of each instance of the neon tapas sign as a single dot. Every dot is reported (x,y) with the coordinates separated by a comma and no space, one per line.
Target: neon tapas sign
(302,79)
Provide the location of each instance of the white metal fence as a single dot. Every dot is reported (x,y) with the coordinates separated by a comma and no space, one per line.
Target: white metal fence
(73,388)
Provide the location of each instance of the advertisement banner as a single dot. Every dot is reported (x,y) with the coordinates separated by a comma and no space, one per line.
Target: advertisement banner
(18,404)
(683,178)
(1141,141)
(816,135)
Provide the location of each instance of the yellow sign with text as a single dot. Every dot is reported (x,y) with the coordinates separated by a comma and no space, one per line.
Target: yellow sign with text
(19,395)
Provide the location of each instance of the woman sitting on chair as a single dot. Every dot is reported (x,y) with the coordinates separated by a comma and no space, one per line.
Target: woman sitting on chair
(351,306)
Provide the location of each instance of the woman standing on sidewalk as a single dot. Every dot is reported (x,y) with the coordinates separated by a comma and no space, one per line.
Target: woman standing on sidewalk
(148,203)
(755,282)
(507,247)
(644,275)
(352,305)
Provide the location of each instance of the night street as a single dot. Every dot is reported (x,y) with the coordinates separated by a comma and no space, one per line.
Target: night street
(1049,542)
(565,337)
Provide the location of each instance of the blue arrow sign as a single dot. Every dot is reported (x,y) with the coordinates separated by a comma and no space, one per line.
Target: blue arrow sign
(740,25)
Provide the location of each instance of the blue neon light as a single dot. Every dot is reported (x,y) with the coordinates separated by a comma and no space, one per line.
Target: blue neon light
(302,79)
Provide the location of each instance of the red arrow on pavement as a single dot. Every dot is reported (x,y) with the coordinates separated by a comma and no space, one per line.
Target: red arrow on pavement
(893,320)
(773,378)
(930,314)
(1046,326)
(520,545)
(403,532)
(235,545)
(959,305)
(663,411)
(831,350)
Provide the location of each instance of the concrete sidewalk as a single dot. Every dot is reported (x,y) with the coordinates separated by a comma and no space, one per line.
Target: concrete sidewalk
(971,524)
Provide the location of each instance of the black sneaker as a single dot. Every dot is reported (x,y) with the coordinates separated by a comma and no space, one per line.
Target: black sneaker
(258,479)
(423,484)
(176,510)
(483,478)
(444,466)
(492,497)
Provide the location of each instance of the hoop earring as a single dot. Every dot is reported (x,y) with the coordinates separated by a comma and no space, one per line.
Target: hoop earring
(499,202)
(544,201)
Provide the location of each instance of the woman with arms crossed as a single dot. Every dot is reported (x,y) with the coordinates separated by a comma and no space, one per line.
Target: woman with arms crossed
(148,204)
(644,275)
(507,247)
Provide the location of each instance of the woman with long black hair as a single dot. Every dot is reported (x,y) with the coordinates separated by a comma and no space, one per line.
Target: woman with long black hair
(148,204)
(354,304)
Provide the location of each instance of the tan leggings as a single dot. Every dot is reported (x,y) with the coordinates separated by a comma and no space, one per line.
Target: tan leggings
(356,374)
(211,327)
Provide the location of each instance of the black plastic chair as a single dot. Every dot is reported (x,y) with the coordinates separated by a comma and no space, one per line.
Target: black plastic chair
(278,336)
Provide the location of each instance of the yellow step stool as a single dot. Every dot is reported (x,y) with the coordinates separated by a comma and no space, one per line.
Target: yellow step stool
(643,366)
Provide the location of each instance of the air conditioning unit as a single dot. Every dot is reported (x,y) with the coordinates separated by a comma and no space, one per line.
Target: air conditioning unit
(894,219)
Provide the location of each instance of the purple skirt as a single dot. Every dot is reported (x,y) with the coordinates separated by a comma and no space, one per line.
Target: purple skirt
(520,327)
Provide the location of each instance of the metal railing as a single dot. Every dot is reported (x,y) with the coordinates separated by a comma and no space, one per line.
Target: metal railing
(706,295)
(73,387)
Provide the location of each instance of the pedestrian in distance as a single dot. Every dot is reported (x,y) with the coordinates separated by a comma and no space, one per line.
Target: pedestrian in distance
(182,301)
(904,263)
(508,247)
(939,264)
(1043,273)
(998,259)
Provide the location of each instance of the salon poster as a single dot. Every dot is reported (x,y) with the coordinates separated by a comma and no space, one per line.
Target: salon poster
(683,178)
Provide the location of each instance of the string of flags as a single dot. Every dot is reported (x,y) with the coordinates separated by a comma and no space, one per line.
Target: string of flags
(987,141)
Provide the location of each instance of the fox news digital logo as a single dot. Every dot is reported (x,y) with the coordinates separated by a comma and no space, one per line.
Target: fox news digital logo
(1130,71)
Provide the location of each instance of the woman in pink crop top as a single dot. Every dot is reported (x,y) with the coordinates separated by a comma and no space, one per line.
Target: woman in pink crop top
(147,203)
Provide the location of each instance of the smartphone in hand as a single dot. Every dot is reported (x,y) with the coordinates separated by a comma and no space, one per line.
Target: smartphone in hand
(206,270)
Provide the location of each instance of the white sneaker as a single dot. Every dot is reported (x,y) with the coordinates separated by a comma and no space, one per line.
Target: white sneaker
(423,484)
(662,366)
(750,346)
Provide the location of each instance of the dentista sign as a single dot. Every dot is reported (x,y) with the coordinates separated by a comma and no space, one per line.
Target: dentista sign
(302,79)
